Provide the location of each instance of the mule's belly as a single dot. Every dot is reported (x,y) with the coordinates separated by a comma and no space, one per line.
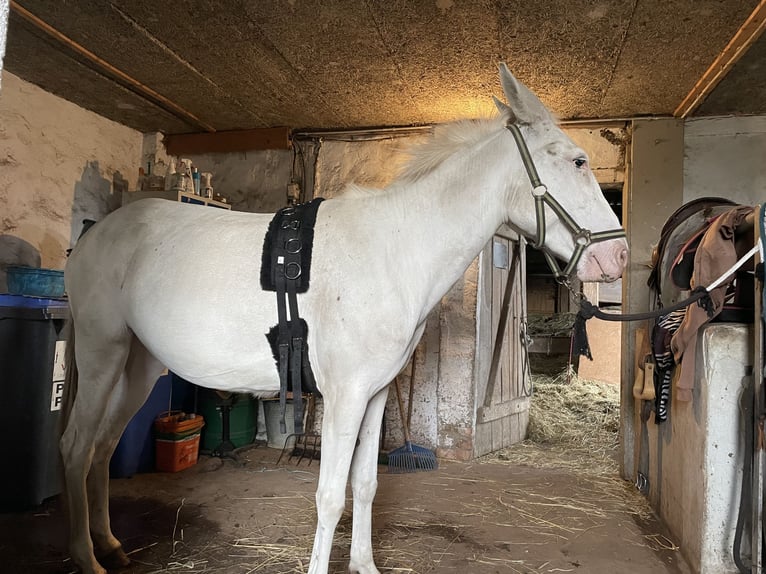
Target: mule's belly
(207,342)
(192,295)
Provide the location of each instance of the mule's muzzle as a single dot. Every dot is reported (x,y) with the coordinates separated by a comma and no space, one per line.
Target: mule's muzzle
(604,262)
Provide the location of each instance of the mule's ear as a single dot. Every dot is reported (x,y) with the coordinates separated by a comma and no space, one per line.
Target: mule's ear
(504,109)
(526,106)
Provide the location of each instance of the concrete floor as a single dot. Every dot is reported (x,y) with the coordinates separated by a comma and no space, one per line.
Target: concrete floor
(480,518)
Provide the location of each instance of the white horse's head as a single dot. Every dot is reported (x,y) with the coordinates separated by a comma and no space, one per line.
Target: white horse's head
(564,170)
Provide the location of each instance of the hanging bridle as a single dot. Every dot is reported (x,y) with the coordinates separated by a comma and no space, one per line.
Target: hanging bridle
(582,237)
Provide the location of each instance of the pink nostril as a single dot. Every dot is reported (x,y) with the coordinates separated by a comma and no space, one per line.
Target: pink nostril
(623,257)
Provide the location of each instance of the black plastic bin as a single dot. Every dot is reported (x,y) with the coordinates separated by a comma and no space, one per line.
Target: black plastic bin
(31,387)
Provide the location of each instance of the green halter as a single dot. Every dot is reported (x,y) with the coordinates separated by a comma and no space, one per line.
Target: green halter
(582,237)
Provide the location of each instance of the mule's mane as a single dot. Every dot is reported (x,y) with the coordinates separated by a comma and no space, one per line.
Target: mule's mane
(424,157)
(446,140)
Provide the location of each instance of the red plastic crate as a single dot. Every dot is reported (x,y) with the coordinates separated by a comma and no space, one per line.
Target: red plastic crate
(175,455)
(177,442)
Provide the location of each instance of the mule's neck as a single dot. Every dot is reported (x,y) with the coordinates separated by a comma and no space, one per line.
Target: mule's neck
(447,216)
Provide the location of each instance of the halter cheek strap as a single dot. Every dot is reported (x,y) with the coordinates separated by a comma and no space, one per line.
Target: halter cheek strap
(582,237)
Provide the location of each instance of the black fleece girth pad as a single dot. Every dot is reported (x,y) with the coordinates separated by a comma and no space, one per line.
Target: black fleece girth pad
(309,384)
(286,269)
(305,214)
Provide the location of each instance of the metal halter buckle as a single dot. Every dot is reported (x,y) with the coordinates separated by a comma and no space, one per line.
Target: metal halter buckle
(583,237)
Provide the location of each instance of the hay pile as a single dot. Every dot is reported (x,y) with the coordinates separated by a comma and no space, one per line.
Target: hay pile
(546,325)
(580,414)
(573,423)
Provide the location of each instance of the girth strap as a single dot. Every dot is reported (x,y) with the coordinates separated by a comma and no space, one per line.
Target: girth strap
(285,268)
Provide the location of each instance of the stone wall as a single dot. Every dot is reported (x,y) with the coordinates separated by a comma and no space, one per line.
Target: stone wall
(59,164)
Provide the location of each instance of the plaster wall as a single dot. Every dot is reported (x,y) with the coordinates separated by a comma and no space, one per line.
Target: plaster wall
(59,164)
(723,157)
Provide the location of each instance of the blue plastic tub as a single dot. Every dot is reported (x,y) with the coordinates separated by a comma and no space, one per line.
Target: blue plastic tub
(31,302)
(35,281)
(135,451)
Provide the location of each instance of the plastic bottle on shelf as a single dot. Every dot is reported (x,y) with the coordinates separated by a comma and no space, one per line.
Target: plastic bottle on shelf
(196,180)
(141,179)
(170,175)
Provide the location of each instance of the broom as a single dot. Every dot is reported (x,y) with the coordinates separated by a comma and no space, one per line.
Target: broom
(410,457)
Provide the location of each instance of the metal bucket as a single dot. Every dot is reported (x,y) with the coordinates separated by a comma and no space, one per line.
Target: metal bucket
(275,438)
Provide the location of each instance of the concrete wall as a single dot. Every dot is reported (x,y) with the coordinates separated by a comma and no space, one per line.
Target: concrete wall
(724,157)
(254,181)
(654,191)
(606,151)
(373,163)
(59,164)
(694,459)
(696,456)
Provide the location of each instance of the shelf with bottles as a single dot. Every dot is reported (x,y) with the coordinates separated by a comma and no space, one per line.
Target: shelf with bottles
(180,181)
(173,195)
(186,197)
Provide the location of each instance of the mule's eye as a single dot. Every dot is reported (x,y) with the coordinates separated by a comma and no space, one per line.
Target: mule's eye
(580,162)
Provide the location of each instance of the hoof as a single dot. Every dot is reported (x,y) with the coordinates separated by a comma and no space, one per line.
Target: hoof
(115,559)
(359,568)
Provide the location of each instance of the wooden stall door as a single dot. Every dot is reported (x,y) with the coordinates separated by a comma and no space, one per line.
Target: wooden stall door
(503,408)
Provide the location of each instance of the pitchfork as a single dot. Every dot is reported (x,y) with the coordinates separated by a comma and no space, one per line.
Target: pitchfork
(308,443)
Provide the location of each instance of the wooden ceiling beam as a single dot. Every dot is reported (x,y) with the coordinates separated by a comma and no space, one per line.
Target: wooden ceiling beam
(747,34)
(228,141)
(137,87)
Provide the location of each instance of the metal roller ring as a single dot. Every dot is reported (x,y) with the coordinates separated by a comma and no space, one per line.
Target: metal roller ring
(292,270)
(293,245)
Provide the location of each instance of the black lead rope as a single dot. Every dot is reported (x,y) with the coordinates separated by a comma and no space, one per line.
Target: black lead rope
(580,344)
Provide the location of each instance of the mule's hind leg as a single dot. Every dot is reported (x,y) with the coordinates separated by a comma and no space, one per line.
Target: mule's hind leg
(364,484)
(101,359)
(130,393)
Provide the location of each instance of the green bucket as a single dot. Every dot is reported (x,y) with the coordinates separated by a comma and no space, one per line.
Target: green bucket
(242,419)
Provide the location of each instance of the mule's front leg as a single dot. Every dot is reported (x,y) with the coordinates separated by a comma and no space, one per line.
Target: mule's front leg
(364,484)
(340,428)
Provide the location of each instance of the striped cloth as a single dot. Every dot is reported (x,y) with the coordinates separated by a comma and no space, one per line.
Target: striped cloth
(664,364)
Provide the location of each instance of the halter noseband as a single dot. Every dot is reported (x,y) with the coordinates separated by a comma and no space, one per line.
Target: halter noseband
(582,237)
